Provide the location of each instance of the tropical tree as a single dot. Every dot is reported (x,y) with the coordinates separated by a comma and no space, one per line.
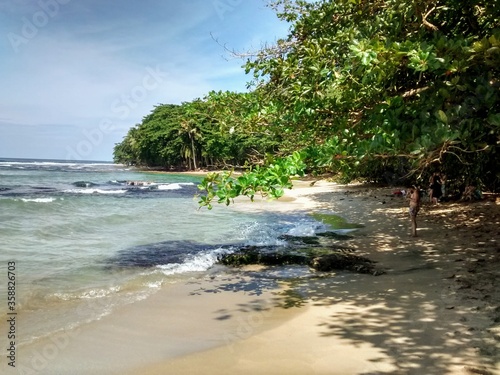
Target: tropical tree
(374,90)
(126,152)
(214,132)
(366,86)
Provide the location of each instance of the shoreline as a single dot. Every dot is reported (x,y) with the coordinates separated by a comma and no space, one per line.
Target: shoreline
(203,312)
(433,312)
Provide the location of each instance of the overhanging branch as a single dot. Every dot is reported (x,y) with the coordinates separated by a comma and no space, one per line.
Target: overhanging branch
(427,23)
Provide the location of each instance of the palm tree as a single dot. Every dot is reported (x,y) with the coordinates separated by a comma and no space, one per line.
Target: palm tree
(190,128)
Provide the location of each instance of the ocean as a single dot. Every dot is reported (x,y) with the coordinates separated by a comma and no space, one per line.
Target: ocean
(82,238)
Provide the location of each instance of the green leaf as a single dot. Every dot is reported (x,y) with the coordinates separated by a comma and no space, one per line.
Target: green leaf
(494,119)
(442,116)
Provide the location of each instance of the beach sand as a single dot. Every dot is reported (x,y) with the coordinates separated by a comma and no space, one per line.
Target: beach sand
(202,312)
(435,310)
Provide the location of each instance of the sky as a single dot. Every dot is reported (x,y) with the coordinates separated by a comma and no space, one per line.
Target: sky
(77,74)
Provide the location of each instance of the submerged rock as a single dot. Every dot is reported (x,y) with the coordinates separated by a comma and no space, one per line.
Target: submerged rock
(324,252)
(84,184)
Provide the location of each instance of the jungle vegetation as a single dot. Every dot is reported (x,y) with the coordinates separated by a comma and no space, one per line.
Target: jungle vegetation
(379,91)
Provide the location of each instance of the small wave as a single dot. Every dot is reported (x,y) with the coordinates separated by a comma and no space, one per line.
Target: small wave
(154,285)
(88,294)
(304,230)
(166,186)
(102,164)
(196,263)
(170,187)
(260,234)
(117,182)
(38,200)
(95,191)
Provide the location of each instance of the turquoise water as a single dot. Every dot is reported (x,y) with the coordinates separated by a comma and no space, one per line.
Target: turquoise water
(84,239)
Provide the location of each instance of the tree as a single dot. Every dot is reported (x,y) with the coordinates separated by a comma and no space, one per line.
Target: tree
(153,142)
(126,151)
(214,132)
(370,90)
(363,86)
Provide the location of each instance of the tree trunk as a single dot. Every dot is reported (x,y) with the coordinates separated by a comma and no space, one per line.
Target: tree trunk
(194,153)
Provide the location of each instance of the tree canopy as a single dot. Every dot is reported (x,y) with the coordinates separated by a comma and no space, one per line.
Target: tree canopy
(376,90)
(196,134)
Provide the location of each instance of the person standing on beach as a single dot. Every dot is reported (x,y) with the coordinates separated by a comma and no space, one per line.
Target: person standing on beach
(435,188)
(443,186)
(414,208)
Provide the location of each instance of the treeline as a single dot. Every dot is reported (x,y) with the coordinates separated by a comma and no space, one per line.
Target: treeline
(382,90)
(203,134)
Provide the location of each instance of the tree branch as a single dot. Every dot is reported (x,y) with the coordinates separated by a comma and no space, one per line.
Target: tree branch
(281,48)
(427,23)
(414,92)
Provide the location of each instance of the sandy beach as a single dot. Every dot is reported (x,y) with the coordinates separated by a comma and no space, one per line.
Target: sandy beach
(434,311)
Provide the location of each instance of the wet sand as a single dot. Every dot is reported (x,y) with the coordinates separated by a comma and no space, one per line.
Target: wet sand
(194,315)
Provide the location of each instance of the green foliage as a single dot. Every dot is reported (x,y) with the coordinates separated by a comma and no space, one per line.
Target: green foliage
(383,91)
(402,85)
(269,181)
(209,133)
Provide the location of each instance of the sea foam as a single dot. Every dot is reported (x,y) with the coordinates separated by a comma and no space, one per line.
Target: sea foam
(94,191)
(38,200)
(196,263)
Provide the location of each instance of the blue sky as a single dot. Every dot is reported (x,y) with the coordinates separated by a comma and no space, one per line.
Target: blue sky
(77,74)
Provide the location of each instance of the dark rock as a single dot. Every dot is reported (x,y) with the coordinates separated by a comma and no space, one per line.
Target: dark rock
(343,261)
(84,184)
(320,259)
(152,255)
(334,235)
(263,256)
(307,240)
